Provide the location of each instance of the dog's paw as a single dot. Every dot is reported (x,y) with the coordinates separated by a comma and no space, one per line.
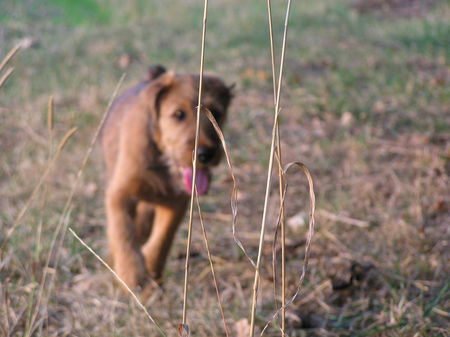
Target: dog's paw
(131,270)
(153,289)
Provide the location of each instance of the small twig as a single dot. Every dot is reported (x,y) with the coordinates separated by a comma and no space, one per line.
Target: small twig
(343,219)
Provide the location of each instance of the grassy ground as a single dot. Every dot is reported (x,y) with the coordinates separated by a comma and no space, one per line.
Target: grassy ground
(366,104)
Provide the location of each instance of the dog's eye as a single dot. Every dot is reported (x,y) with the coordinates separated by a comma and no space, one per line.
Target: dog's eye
(179,115)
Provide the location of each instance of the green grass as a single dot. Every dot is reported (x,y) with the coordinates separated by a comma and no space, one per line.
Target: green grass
(81,12)
(365,105)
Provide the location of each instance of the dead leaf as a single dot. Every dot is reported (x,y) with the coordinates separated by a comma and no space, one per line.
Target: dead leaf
(183,330)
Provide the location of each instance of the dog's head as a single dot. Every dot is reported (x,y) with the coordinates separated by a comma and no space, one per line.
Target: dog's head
(173,101)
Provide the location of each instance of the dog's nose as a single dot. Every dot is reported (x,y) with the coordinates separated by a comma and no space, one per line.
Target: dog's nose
(205,154)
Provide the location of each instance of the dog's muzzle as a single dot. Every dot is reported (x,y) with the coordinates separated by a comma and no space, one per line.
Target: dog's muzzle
(205,154)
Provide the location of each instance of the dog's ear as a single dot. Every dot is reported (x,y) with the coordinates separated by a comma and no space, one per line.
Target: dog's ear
(155,71)
(152,96)
(231,89)
(155,90)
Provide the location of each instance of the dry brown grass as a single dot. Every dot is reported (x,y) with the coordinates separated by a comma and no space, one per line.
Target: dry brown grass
(365,108)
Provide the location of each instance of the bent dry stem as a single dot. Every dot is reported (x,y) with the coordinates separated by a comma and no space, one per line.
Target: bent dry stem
(269,176)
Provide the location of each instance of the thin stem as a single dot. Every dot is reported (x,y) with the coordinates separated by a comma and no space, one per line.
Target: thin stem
(272,51)
(269,178)
(280,179)
(10,55)
(6,76)
(194,164)
(309,236)
(211,264)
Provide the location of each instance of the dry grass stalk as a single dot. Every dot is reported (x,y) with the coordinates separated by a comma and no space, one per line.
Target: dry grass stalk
(213,273)
(194,164)
(61,228)
(280,224)
(5,61)
(136,299)
(50,110)
(311,229)
(10,55)
(269,175)
(234,190)
(283,239)
(6,75)
(281,182)
(36,189)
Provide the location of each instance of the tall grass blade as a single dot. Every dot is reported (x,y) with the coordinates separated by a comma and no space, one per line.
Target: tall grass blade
(269,176)
(194,165)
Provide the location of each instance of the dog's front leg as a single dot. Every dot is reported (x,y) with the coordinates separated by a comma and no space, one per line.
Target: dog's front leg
(128,261)
(166,222)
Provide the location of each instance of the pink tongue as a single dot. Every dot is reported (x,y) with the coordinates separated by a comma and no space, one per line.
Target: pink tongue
(202,181)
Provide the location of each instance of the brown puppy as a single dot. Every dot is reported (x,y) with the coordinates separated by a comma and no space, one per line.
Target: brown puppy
(148,142)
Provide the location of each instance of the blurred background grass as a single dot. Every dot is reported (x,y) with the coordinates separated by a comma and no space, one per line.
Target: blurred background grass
(366,104)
